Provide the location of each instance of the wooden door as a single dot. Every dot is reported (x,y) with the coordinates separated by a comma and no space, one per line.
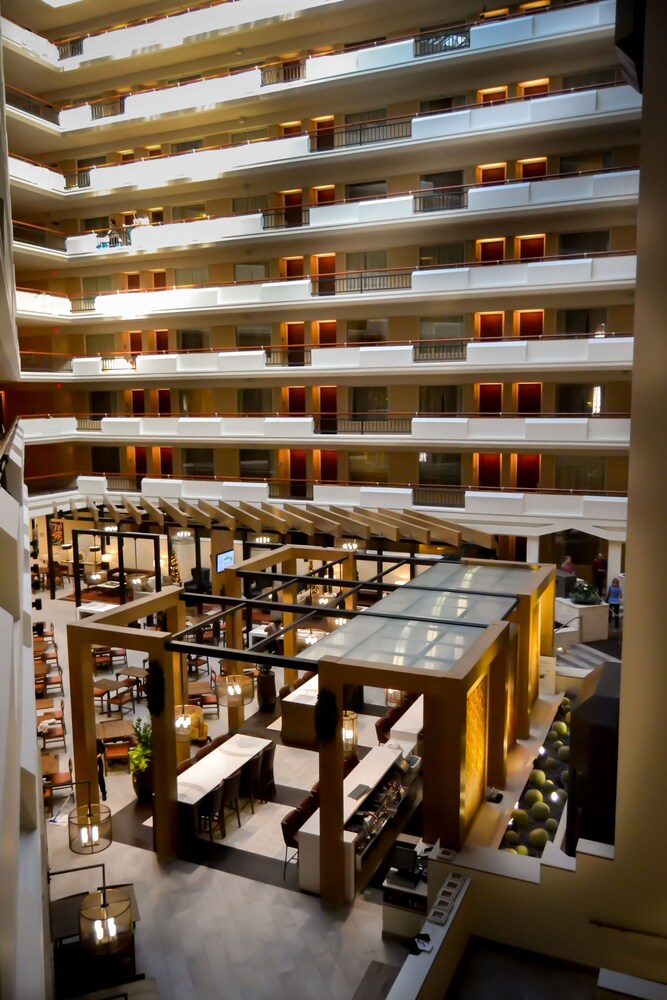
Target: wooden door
(298,470)
(527,472)
(488,471)
(491,397)
(295,344)
(328,409)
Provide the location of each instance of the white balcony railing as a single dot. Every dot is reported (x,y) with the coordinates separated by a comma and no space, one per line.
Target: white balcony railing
(611,271)
(557,111)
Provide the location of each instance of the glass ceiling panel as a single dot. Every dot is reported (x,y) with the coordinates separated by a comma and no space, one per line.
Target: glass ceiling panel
(477,609)
(376,639)
(482,579)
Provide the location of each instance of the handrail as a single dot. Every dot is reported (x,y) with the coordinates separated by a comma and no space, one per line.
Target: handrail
(35,163)
(215,3)
(412,192)
(353,126)
(277,62)
(463,488)
(315,279)
(286,348)
(377,416)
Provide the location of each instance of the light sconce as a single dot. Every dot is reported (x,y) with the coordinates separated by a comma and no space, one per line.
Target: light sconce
(182,535)
(262,539)
(111,528)
(350,546)
(350,731)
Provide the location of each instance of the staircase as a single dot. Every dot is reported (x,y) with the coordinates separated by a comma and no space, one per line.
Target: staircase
(578,660)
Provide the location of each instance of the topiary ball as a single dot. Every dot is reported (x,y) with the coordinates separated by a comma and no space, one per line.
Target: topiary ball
(533,795)
(552,735)
(540,811)
(566,701)
(551,762)
(558,744)
(547,786)
(537,777)
(564,775)
(510,850)
(522,849)
(563,753)
(520,817)
(559,727)
(511,837)
(538,838)
(567,717)
(551,825)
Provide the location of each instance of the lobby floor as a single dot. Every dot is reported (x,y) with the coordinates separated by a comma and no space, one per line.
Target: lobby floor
(207,932)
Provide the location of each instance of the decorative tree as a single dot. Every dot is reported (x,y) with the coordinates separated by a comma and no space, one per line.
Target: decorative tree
(174,571)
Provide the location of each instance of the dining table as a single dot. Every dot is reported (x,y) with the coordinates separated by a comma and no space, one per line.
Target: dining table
(221,763)
(108,687)
(50,764)
(196,688)
(44,704)
(39,647)
(114,730)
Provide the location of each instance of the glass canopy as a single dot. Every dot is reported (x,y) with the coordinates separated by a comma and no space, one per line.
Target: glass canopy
(445,605)
(509,580)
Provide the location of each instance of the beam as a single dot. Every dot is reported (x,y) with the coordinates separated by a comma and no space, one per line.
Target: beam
(384,531)
(193,511)
(320,519)
(134,512)
(379,525)
(409,529)
(297,521)
(440,532)
(154,513)
(347,523)
(218,514)
(248,516)
(116,514)
(175,513)
(92,507)
(271,521)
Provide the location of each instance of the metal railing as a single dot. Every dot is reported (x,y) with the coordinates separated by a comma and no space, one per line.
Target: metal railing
(359,424)
(283,72)
(296,490)
(89,423)
(85,303)
(79,178)
(362,281)
(118,362)
(442,42)
(36,236)
(441,200)
(439,496)
(74,47)
(286,218)
(364,133)
(34,361)
(288,356)
(447,350)
(23,101)
(107,108)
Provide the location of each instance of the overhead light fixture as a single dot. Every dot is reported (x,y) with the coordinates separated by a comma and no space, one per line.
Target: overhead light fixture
(105,916)
(182,535)
(111,528)
(89,826)
(339,621)
(350,730)
(262,539)
(350,546)
(188,722)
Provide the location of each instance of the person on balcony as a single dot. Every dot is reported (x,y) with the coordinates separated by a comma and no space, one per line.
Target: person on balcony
(567,565)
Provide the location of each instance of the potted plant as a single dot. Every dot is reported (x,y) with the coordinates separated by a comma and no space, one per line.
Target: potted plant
(266,687)
(141,760)
(584,593)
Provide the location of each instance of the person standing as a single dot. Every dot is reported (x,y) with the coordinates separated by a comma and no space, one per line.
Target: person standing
(101,763)
(599,568)
(614,598)
(567,565)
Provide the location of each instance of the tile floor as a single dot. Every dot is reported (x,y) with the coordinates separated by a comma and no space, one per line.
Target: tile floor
(208,933)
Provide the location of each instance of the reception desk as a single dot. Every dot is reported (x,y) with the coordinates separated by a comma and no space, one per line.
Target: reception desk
(370,771)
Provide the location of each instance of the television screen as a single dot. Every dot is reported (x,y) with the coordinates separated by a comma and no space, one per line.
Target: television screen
(404,858)
(224,560)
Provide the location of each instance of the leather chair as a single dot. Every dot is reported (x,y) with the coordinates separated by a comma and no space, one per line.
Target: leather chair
(266,778)
(231,791)
(210,812)
(251,785)
(290,824)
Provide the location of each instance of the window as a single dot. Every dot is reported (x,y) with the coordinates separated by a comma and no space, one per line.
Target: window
(105,459)
(96,285)
(439,399)
(255,463)
(372,260)
(253,336)
(96,222)
(255,203)
(192,340)
(439,469)
(249,135)
(377,114)
(583,399)
(368,400)
(258,271)
(198,462)
(441,255)
(179,212)
(191,276)
(582,473)
(444,328)
(593,242)
(447,191)
(368,466)
(435,104)
(187,145)
(367,331)
(577,163)
(582,321)
(255,400)
(592,78)
(366,189)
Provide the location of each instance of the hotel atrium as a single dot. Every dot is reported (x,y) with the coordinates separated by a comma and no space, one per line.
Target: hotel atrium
(338,274)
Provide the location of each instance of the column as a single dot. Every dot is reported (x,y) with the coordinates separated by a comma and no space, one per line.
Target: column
(614,560)
(532,548)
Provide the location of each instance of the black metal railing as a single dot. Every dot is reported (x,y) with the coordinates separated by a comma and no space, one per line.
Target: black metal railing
(288,356)
(72,48)
(439,496)
(299,490)
(286,218)
(37,237)
(440,201)
(108,108)
(442,42)
(362,133)
(84,303)
(118,362)
(283,72)
(333,424)
(32,105)
(89,423)
(454,351)
(77,179)
(362,281)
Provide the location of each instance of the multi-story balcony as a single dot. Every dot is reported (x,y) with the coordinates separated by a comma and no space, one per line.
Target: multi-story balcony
(547,432)
(417,210)
(553,353)
(433,139)
(423,51)
(580,275)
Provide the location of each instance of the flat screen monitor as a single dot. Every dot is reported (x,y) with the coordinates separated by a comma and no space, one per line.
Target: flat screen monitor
(224,560)
(405,859)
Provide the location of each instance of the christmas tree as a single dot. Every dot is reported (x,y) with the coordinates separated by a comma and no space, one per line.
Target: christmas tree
(174,571)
